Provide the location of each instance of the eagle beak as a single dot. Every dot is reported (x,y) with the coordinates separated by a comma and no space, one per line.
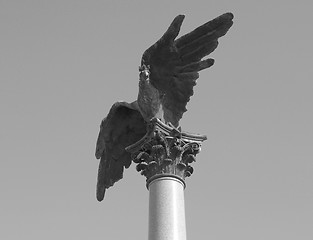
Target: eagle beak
(144,72)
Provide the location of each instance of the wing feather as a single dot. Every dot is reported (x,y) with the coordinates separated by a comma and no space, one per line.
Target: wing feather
(224,21)
(122,127)
(196,66)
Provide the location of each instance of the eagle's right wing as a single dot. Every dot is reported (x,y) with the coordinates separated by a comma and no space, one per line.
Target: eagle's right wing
(122,127)
(174,64)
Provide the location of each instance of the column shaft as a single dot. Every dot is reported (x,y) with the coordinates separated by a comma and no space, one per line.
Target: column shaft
(166,209)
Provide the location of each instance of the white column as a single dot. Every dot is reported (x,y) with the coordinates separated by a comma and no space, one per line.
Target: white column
(167,209)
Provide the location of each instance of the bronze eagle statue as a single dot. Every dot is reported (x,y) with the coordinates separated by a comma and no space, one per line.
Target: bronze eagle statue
(168,73)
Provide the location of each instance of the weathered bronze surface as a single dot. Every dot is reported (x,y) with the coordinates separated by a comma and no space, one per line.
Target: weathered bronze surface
(168,73)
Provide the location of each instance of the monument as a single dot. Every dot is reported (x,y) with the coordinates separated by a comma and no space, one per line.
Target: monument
(147,130)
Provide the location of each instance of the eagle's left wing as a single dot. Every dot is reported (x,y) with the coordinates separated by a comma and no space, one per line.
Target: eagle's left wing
(122,127)
(174,64)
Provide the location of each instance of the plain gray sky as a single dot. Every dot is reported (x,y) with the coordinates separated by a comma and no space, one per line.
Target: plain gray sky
(64,63)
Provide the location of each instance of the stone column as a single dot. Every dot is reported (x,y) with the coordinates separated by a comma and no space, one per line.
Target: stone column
(164,156)
(166,209)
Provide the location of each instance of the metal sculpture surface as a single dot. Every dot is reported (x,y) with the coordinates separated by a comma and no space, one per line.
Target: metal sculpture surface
(168,73)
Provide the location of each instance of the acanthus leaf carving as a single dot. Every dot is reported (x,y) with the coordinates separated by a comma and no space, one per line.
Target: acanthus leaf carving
(165,150)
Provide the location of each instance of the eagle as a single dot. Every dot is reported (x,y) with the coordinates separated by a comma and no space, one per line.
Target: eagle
(168,72)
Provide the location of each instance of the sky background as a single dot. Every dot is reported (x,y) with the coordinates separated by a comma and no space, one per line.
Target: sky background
(64,63)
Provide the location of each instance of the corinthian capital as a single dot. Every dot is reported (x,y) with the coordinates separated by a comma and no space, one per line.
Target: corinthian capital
(165,151)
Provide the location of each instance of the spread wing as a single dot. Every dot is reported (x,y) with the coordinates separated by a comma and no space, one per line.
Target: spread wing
(174,64)
(122,127)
